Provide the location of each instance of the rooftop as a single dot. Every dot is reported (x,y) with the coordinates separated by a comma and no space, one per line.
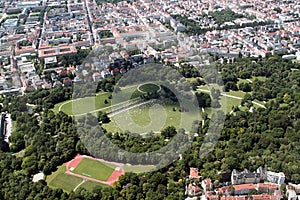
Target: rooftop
(244,187)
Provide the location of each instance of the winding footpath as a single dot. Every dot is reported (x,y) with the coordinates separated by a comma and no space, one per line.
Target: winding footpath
(234,97)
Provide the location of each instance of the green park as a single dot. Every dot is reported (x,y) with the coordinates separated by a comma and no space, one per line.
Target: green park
(142,115)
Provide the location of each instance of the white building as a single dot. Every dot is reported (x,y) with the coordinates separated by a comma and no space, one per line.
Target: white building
(298,55)
(274,177)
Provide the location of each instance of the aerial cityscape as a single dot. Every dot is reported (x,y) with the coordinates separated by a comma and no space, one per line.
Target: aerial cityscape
(150,99)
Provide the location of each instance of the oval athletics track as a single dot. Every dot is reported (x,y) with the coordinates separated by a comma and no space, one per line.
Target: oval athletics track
(72,164)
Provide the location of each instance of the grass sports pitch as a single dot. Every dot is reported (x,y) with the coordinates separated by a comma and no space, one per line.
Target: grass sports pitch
(103,173)
(94,169)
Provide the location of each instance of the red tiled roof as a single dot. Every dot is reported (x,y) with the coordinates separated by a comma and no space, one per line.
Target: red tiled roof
(194,172)
(60,50)
(211,195)
(244,187)
(208,181)
(264,197)
(268,185)
(234,198)
(195,188)
(224,189)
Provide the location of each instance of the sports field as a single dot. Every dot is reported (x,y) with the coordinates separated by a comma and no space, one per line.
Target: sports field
(59,179)
(97,173)
(94,169)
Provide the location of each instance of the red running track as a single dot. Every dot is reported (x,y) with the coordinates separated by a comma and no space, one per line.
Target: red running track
(73,163)
(113,178)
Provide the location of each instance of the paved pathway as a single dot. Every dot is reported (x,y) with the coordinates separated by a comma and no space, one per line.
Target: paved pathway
(249,81)
(129,108)
(234,97)
(82,182)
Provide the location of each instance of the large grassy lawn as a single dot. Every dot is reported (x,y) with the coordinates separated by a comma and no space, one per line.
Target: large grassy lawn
(94,169)
(145,118)
(236,93)
(59,179)
(138,168)
(92,104)
(90,185)
(260,102)
(88,104)
(229,103)
(261,78)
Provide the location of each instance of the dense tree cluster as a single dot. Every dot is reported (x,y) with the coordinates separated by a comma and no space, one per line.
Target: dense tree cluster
(281,76)
(203,99)
(194,27)
(108,84)
(47,141)
(105,34)
(267,137)
(48,98)
(225,16)
(103,117)
(74,59)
